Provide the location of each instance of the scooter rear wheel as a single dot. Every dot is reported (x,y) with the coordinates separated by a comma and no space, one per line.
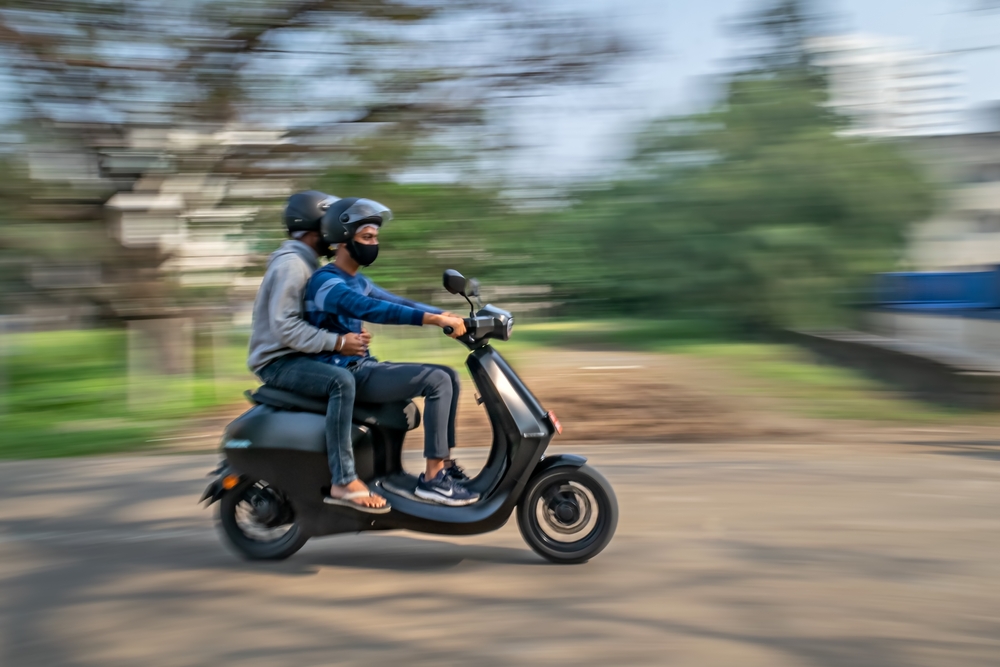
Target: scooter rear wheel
(568,515)
(258,522)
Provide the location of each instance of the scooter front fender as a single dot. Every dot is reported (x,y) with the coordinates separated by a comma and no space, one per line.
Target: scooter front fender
(558,461)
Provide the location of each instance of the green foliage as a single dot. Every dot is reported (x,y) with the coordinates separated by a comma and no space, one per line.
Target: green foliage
(759,213)
(66,393)
(434,227)
(773,229)
(800,384)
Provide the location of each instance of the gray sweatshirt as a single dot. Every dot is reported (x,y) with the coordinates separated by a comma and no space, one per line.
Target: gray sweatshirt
(278,328)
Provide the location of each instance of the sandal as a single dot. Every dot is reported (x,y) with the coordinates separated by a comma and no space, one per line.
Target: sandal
(346,501)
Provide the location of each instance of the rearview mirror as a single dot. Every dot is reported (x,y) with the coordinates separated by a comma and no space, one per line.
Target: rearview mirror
(472,287)
(454,282)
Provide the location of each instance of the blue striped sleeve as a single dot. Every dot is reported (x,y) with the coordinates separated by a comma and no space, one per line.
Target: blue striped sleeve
(385,295)
(334,296)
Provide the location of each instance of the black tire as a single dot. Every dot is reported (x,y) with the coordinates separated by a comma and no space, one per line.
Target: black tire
(575,538)
(237,503)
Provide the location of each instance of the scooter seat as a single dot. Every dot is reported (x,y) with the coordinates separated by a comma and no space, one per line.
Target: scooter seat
(401,415)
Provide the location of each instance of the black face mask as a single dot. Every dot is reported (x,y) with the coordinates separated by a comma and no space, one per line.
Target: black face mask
(364,255)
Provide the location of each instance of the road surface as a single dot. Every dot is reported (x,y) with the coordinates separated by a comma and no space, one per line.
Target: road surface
(726,554)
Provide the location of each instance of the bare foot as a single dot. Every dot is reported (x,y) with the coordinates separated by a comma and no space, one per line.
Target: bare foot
(434,466)
(374,500)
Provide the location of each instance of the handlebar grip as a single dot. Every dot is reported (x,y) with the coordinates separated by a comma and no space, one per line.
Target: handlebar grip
(469,327)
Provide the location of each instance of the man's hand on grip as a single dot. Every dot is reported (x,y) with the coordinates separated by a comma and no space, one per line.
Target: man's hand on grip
(456,323)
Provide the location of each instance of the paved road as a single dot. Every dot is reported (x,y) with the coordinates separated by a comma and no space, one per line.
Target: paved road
(772,555)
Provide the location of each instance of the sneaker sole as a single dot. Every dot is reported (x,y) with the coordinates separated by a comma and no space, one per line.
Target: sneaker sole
(443,500)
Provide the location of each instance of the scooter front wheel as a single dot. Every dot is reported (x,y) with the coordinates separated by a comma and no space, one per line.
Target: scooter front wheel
(258,522)
(568,515)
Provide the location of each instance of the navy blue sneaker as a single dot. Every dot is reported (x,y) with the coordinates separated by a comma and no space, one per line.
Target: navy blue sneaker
(445,490)
(453,470)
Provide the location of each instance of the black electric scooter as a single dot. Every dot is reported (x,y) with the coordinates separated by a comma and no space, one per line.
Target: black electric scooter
(270,487)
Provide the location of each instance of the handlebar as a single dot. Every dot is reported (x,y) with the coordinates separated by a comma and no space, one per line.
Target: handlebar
(489,323)
(470,326)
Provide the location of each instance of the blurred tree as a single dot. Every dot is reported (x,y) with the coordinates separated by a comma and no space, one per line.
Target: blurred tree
(143,90)
(758,213)
(435,226)
(13,204)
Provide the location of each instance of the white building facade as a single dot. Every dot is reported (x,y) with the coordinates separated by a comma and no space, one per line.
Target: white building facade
(888,90)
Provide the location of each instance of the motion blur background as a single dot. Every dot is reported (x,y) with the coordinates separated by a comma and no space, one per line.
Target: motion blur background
(738,181)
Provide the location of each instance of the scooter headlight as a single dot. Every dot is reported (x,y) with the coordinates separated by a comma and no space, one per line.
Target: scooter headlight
(501,322)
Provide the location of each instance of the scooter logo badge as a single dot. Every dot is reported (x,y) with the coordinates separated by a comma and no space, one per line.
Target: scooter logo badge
(237,444)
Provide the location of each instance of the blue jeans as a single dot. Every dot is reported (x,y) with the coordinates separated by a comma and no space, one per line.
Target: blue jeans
(301,375)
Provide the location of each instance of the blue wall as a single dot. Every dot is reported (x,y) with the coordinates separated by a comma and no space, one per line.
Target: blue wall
(941,291)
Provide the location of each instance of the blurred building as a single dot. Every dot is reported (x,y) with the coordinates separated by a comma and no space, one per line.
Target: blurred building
(177,204)
(887,90)
(947,312)
(188,207)
(965,231)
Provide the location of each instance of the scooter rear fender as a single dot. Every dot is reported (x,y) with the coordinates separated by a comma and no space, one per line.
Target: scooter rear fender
(216,489)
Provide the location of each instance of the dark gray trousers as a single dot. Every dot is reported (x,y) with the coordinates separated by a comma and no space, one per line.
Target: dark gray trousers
(383,382)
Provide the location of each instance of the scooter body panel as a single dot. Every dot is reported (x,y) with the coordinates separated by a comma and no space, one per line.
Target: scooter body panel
(266,429)
(301,476)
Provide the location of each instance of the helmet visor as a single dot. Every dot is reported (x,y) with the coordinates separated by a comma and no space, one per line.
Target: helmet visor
(365,209)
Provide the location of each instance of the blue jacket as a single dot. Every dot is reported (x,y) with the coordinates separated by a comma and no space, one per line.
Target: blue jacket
(339,302)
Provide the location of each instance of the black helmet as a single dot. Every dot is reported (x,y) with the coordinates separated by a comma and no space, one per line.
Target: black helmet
(345,216)
(304,210)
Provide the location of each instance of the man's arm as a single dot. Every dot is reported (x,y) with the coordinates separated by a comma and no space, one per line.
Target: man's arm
(285,306)
(385,295)
(334,296)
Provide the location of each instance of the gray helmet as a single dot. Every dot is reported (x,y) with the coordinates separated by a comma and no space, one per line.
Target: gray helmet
(305,209)
(345,216)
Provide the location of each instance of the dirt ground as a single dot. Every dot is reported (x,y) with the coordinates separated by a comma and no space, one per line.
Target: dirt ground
(756,554)
(628,397)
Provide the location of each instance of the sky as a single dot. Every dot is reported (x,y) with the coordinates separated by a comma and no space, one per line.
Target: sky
(685,44)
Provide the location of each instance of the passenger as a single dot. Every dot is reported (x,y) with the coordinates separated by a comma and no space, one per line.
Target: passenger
(281,342)
(339,298)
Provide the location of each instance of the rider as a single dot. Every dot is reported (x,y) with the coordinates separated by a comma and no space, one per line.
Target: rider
(281,340)
(338,298)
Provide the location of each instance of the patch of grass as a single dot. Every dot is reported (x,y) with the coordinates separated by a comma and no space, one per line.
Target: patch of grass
(800,382)
(649,335)
(68,393)
(810,387)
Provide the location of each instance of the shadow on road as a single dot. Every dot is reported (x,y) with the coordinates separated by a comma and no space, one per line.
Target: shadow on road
(977,449)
